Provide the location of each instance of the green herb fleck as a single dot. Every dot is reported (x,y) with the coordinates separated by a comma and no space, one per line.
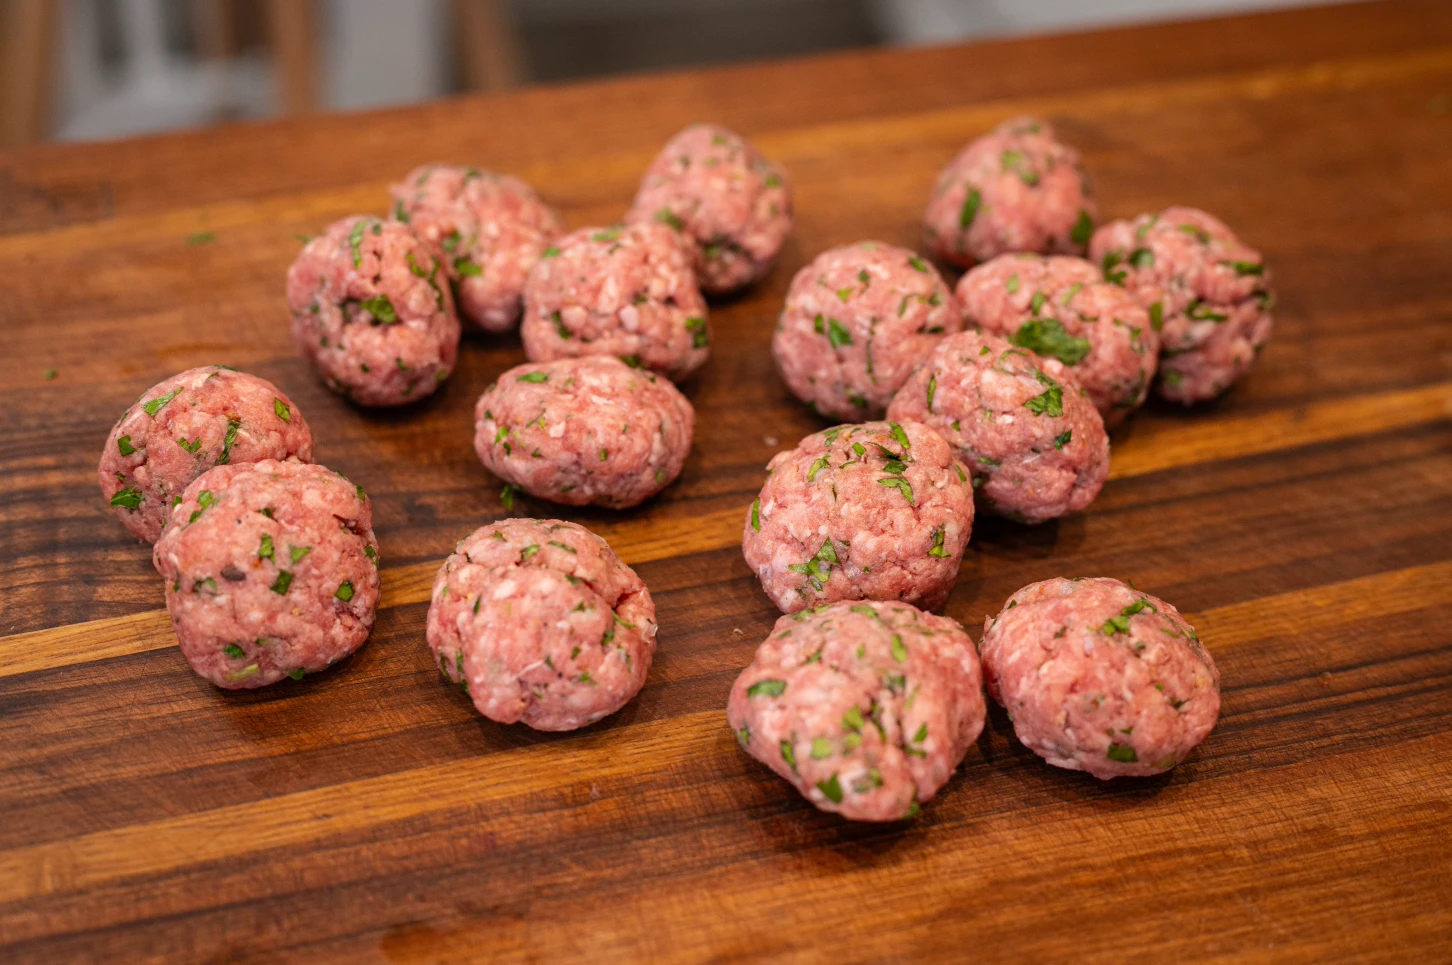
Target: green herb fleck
(789,754)
(1051,402)
(932,390)
(154,406)
(831,788)
(345,591)
(1062,439)
(970,208)
(700,338)
(939,550)
(506,496)
(528,551)
(668,217)
(821,748)
(1047,336)
(124,445)
(901,485)
(283,581)
(1083,228)
(264,548)
(899,649)
(233,651)
(535,377)
(837,333)
(381,309)
(900,436)
(1122,753)
(1157,316)
(766,688)
(466,267)
(228,441)
(298,552)
(756,515)
(817,467)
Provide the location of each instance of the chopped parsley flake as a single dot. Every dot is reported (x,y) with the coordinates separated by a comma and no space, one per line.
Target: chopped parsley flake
(1083,228)
(767,688)
(124,445)
(899,649)
(1051,402)
(939,550)
(283,581)
(756,515)
(535,377)
(1122,753)
(281,409)
(127,498)
(970,208)
(831,788)
(345,591)
(1047,336)
(154,406)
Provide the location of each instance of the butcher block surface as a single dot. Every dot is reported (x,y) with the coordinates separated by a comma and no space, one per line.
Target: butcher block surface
(367,814)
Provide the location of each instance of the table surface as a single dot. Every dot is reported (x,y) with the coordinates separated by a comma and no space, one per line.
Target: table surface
(369,815)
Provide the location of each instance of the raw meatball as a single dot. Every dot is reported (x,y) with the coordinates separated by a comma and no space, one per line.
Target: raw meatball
(1033,441)
(539,621)
(271,571)
(866,708)
(185,425)
(878,511)
(491,228)
(371,313)
(1100,677)
(1016,188)
(857,321)
(1060,306)
(626,291)
(733,204)
(1206,291)
(586,430)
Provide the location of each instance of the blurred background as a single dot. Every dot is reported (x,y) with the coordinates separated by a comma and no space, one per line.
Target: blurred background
(90,69)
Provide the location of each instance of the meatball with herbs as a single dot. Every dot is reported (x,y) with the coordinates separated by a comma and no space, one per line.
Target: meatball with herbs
(539,622)
(866,708)
(877,511)
(185,425)
(585,430)
(1060,306)
(1100,677)
(491,229)
(1020,422)
(271,571)
(626,291)
(857,321)
(1017,188)
(372,313)
(1207,293)
(733,206)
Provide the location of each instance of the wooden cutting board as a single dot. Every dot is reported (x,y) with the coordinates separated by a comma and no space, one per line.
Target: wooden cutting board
(369,815)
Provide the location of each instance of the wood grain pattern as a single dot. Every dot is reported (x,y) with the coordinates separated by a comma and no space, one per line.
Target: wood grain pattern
(369,815)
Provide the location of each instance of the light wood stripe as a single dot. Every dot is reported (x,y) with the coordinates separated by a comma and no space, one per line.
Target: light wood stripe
(636,750)
(1167,446)
(1171,446)
(636,542)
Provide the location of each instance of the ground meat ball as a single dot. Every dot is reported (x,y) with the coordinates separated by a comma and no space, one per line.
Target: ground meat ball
(539,621)
(271,571)
(372,313)
(878,511)
(185,425)
(586,430)
(734,204)
(625,291)
(491,229)
(1033,441)
(866,708)
(1059,306)
(1014,189)
(857,321)
(1210,293)
(1100,677)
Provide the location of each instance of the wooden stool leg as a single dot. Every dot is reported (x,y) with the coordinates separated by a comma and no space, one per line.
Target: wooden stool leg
(27,64)
(295,51)
(489,49)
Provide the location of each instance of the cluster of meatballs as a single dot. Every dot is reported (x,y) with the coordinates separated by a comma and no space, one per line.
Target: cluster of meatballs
(995,396)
